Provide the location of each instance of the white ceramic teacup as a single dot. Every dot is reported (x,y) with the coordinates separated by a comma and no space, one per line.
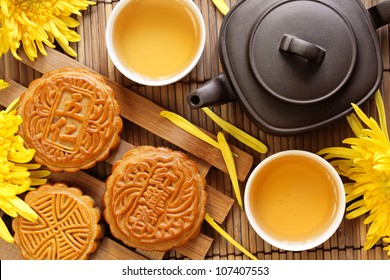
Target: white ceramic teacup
(155,42)
(294,200)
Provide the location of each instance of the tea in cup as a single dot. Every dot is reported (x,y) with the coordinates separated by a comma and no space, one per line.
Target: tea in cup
(294,200)
(155,42)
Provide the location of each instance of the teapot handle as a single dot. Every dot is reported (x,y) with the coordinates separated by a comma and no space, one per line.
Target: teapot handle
(380,14)
(217,91)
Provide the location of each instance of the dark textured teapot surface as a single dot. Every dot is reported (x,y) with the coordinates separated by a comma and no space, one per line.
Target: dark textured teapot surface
(297,65)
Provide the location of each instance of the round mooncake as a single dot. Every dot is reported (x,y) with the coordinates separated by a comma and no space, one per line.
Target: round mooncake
(71,119)
(155,199)
(67,228)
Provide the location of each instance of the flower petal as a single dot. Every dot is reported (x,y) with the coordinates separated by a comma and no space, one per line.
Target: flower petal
(222,6)
(237,133)
(231,167)
(4,232)
(357,213)
(189,127)
(361,115)
(211,221)
(381,112)
(3,84)
(23,209)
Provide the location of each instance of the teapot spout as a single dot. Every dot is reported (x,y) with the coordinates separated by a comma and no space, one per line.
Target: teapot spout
(215,92)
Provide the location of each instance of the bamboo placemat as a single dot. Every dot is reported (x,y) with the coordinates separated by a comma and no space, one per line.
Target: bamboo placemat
(346,243)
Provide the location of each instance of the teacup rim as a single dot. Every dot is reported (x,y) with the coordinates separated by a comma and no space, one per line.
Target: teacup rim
(301,246)
(153,82)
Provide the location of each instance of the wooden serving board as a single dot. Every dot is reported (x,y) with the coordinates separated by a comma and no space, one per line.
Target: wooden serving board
(146,114)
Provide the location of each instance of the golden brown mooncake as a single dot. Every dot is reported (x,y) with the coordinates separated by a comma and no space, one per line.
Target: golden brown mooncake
(71,119)
(155,199)
(67,228)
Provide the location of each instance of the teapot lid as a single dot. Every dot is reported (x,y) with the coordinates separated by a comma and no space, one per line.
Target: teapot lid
(302,51)
(309,59)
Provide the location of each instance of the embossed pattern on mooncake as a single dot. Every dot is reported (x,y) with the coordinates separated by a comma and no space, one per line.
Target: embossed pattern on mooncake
(71,118)
(67,227)
(155,199)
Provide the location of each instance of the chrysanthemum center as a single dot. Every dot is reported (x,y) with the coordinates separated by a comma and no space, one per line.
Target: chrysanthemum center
(29,5)
(31,11)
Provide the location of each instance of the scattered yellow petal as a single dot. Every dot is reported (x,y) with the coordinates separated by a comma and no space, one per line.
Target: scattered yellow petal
(13,106)
(211,221)
(3,84)
(237,133)
(231,166)
(189,127)
(222,6)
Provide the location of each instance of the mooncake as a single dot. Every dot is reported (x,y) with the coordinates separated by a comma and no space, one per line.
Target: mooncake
(155,199)
(68,225)
(71,119)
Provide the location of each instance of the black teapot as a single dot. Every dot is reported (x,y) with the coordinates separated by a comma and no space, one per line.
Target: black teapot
(297,65)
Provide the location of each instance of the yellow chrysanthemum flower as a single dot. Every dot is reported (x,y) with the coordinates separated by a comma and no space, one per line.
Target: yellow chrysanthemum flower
(367,164)
(17,175)
(35,23)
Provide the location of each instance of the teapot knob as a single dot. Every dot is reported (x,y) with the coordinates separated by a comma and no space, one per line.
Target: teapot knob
(293,45)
